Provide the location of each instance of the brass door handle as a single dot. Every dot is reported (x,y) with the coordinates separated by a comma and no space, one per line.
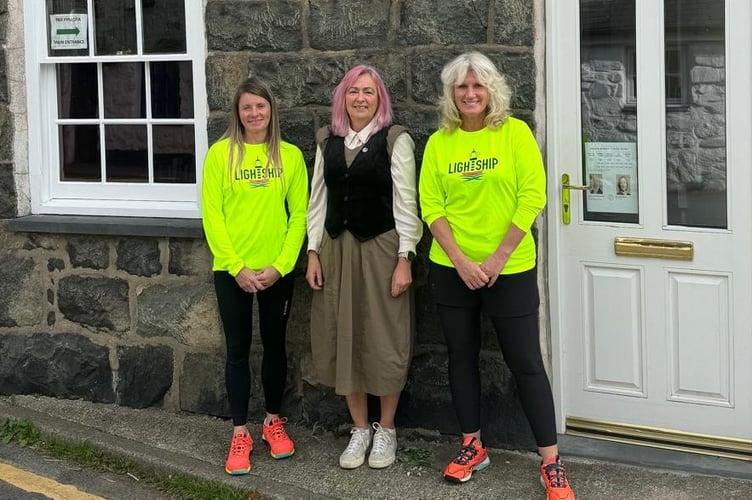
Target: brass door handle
(566,215)
(580,188)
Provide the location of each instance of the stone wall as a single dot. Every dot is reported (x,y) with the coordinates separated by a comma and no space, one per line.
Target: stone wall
(8,198)
(133,320)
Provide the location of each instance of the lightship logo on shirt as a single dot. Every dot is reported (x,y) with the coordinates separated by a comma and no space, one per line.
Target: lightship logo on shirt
(258,176)
(473,168)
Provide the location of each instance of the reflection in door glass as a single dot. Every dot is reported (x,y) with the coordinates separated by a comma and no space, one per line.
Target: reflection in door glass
(609,114)
(695,113)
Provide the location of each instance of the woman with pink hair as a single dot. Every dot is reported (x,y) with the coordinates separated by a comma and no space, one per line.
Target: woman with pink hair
(363,228)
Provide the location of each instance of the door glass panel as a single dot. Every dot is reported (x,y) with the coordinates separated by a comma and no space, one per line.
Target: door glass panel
(609,112)
(695,113)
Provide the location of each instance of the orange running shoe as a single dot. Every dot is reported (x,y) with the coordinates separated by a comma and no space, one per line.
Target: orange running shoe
(280,444)
(239,458)
(554,479)
(471,457)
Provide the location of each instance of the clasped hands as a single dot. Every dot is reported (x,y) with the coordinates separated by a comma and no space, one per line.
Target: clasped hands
(476,276)
(255,281)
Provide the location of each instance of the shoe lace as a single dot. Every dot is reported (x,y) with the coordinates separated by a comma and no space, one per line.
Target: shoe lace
(465,455)
(277,430)
(239,444)
(381,439)
(556,475)
(358,439)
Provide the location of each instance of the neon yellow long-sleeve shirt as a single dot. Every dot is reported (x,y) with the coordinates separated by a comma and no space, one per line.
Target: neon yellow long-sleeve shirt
(482,182)
(244,214)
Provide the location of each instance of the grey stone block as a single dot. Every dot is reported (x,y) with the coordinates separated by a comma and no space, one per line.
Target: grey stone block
(62,365)
(356,24)
(139,256)
(513,22)
(300,81)
(3,70)
(144,375)
(202,384)
(216,127)
(298,128)
(21,292)
(322,406)
(260,26)
(185,312)
(224,72)
(55,264)
(425,73)
(393,69)
(8,204)
(189,258)
(88,252)
(97,302)
(7,130)
(426,22)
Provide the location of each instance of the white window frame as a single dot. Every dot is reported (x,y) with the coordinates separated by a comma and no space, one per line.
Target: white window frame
(51,196)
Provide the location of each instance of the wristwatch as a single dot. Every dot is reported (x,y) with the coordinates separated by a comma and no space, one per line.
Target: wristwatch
(409,256)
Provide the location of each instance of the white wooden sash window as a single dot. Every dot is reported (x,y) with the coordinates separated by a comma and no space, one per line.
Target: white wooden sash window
(117,106)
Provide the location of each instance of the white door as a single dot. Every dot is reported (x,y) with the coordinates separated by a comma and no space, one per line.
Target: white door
(649,268)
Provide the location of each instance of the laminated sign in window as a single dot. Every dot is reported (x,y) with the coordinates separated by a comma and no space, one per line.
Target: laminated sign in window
(68,31)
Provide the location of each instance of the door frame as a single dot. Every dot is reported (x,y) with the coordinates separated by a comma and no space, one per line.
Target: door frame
(562,82)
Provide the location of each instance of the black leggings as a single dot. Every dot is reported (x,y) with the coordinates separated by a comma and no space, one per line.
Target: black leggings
(518,338)
(236,311)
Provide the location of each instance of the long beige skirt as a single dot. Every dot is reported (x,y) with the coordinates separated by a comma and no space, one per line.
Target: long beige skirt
(360,335)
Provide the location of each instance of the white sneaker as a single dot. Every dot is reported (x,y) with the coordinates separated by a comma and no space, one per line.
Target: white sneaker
(355,453)
(384,448)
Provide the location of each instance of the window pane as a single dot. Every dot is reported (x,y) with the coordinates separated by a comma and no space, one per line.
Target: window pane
(171,89)
(174,154)
(126,153)
(115,25)
(696,133)
(123,90)
(67,28)
(164,26)
(79,153)
(77,91)
(609,117)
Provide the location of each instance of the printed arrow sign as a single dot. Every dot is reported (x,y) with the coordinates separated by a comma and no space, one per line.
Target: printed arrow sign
(68,31)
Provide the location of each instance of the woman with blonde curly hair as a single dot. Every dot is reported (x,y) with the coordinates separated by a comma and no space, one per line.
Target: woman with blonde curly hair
(482,184)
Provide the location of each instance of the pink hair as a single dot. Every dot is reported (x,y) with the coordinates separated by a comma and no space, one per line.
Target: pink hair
(340,118)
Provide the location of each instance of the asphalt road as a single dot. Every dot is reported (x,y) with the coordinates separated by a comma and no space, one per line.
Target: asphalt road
(27,475)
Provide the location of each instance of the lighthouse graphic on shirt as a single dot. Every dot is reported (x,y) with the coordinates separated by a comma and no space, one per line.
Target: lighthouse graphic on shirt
(472,169)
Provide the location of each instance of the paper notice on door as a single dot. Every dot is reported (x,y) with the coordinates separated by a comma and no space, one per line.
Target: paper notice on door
(611,173)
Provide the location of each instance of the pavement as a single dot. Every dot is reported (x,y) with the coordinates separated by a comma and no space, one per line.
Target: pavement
(197,445)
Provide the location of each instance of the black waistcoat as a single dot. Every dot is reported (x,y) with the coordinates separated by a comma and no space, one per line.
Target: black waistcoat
(359,198)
